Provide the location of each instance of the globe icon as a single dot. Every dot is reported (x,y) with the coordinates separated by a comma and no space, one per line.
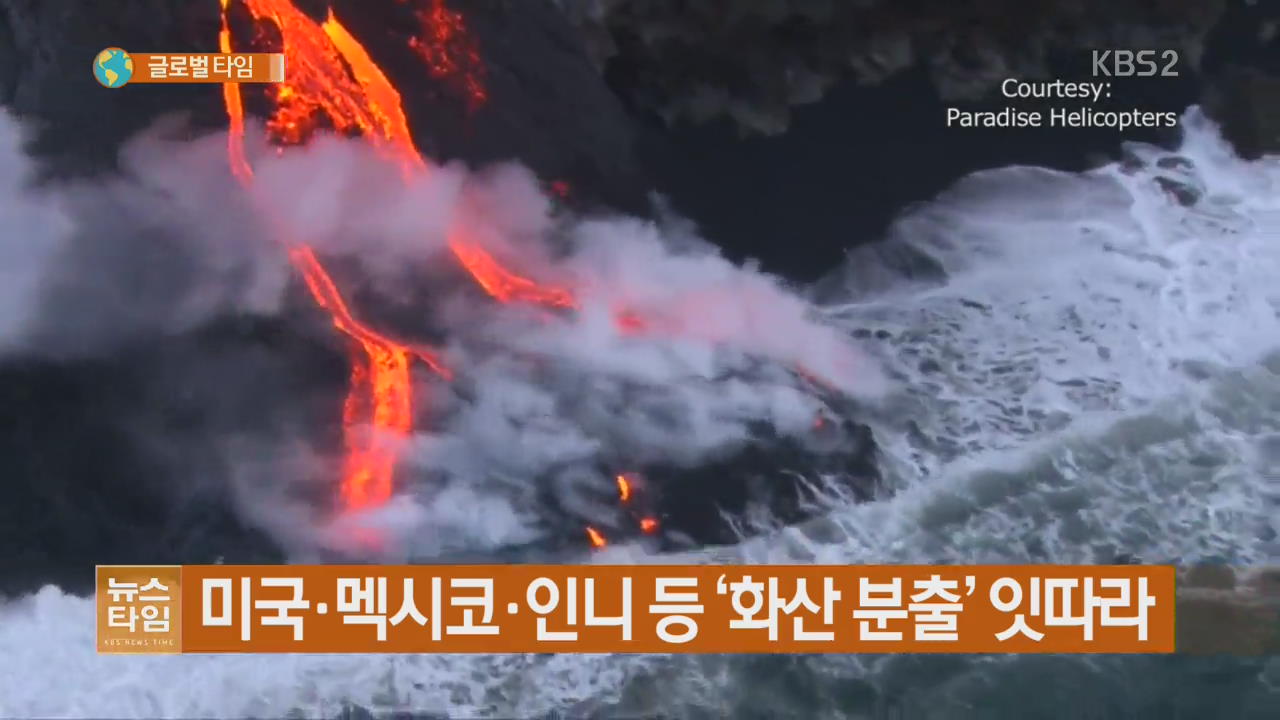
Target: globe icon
(113,67)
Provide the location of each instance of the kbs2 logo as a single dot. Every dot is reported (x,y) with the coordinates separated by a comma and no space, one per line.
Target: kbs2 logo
(1130,63)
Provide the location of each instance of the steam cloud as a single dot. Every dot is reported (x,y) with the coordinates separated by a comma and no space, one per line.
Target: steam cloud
(33,226)
(161,248)
(175,242)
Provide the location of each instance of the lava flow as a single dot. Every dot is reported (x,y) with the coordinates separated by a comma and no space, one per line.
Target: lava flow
(449,51)
(502,284)
(332,79)
(378,411)
(331,76)
(597,540)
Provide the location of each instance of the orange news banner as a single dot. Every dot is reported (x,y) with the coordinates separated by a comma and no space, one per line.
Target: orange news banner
(207,68)
(635,609)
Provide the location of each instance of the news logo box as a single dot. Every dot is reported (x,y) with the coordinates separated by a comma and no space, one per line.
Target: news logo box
(139,609)
(208,67)
(654,609)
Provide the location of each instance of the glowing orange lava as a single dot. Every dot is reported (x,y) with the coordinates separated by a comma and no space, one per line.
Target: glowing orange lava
(624,488)
(378,412)
(235,110)
(648,525)
(450,53)
(331,78)
(390,129)
(318,84)
(502,284)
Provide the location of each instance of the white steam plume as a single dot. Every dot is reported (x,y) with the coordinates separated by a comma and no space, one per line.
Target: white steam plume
(161,248)
(32,228)
(715,347)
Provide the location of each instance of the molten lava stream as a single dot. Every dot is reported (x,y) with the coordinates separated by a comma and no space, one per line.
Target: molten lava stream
(378,413)
(500,283)
(330,74)
(380,390)
(369,104)
(392,132)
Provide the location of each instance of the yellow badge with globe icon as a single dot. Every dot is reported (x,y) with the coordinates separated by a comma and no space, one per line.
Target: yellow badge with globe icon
(113,67)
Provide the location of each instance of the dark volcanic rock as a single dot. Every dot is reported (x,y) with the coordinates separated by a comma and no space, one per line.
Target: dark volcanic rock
(1243,89)
(765,483)
(546,107)
(1185,194)
(51,86)
(753,61)
(126,460)
(1246,102)
(773,482)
